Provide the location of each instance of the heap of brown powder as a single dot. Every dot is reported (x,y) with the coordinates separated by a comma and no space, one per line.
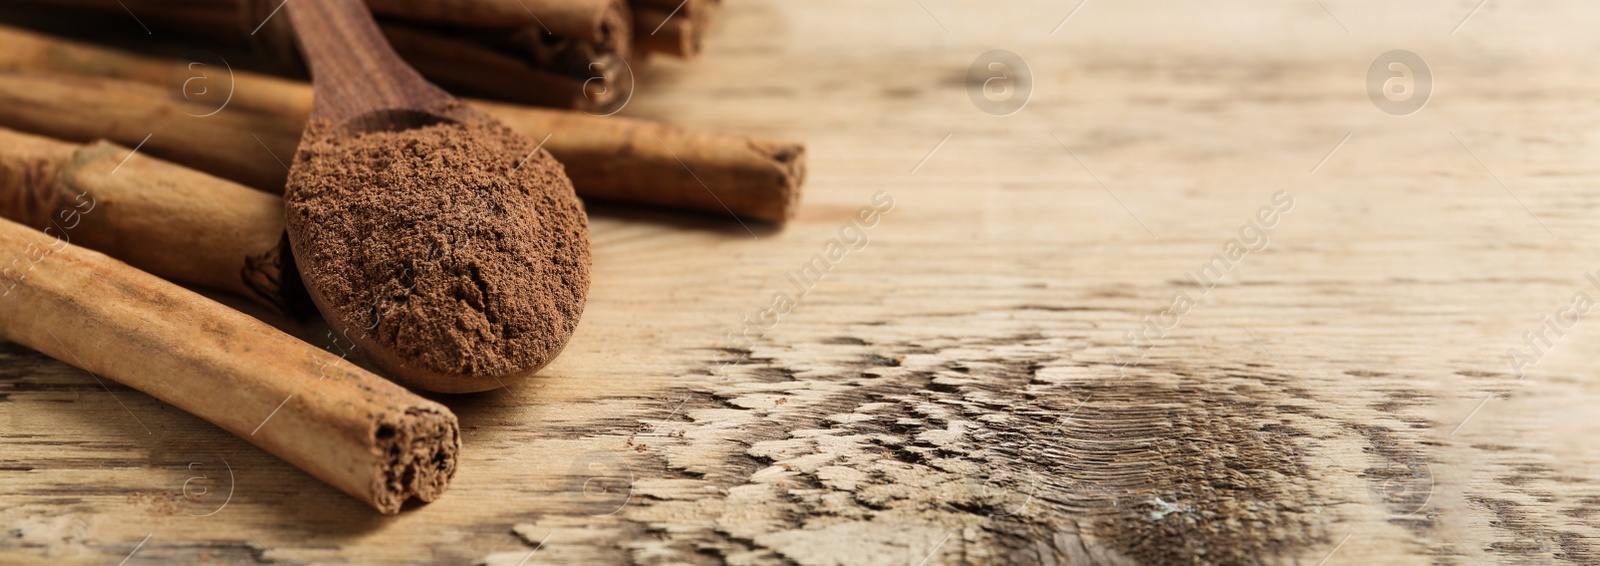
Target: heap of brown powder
(445,244)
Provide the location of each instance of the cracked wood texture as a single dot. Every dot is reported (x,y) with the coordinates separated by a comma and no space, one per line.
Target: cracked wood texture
(960,390)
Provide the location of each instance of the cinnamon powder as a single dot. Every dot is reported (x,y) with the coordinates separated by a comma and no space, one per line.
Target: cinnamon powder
(446,244)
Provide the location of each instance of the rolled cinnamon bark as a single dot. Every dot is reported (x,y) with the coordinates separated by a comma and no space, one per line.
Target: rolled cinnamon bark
(260,119)
(665,32)
(171,221)
(641,162)
(566,18)
(248,147)
(673,27)
(354,430)
(467,65)
(562,53)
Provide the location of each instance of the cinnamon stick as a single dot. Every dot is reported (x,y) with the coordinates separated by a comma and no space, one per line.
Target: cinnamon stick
(564,18)
(257,129)
(465,64)
(354,430)
(665,32)
(248,147)
(673,27)
(171,221)
(562,53)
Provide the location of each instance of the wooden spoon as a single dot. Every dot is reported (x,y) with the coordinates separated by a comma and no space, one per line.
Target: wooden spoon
(362,88)
(358,79)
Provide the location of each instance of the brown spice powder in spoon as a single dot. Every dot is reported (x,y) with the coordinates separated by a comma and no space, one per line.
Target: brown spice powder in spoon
(446,244)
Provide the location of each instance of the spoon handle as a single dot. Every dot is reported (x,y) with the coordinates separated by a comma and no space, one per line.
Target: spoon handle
(354,69)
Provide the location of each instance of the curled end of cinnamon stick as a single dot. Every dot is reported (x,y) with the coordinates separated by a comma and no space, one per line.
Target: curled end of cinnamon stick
(416,456)
(274,281)
(789,159)
(667,32)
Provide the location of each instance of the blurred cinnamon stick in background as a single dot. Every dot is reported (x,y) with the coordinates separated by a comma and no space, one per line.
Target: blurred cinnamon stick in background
(558,53)
(247,130)
(673,27)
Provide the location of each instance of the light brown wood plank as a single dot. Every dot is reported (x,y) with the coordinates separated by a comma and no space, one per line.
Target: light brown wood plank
(949,392)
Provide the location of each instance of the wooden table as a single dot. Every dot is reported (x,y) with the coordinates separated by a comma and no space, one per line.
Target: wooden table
(961,388)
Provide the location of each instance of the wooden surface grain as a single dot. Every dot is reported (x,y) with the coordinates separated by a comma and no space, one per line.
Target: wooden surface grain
(959,390)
